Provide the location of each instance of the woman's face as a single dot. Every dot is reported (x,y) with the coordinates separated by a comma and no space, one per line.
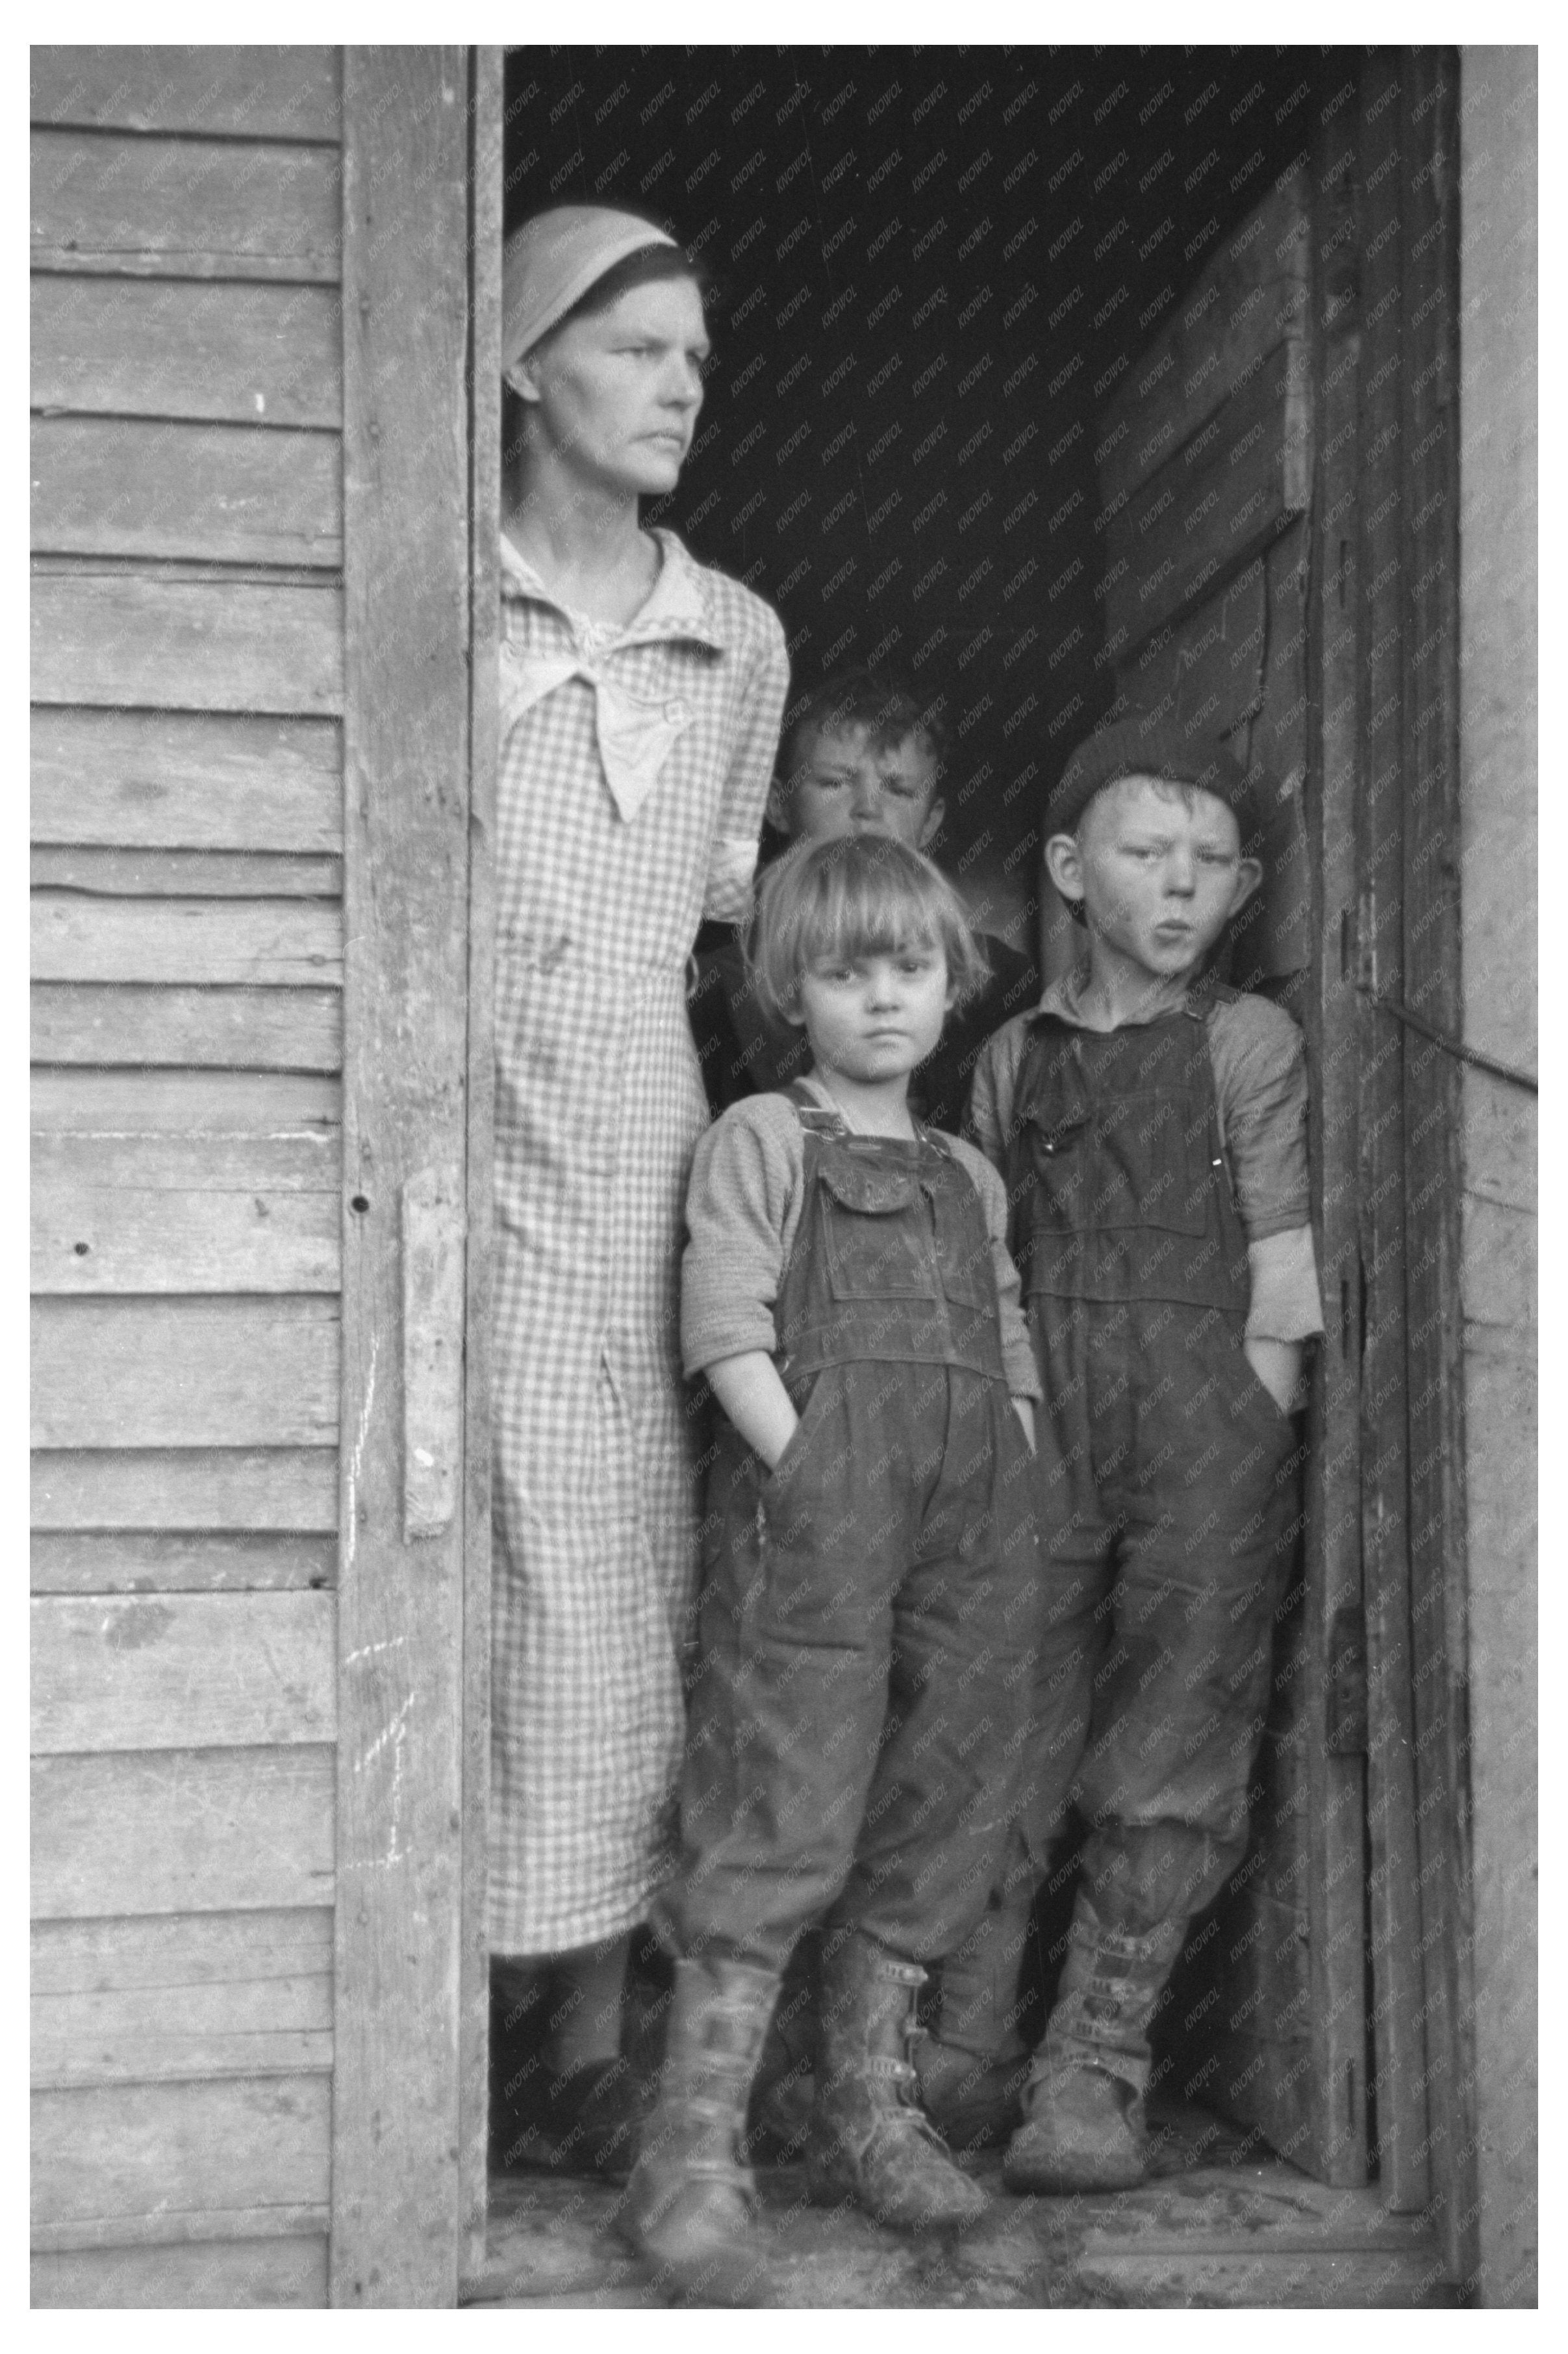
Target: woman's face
(614,396)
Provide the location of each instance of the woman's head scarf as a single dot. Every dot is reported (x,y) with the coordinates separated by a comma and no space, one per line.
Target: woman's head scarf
(549,264)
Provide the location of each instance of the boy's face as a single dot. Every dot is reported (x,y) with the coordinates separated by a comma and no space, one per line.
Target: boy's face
(844,782)
(1160,872)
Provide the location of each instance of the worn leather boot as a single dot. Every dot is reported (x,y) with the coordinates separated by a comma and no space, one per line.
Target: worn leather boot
(690,2203)
(974,2064)
(869,2139)
(1083,2121)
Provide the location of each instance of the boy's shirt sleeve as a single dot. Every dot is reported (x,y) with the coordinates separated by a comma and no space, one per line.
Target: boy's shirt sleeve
(1017,1354)
(743,1208)
(1260,1080)
(992,1091)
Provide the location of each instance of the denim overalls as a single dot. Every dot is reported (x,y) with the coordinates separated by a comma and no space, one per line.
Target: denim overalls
(869,1608)
(1165,1473)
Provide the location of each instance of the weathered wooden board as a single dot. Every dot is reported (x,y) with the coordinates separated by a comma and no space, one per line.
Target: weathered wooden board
(215,1104)
(260,944)
(1221,497)
(186,874)
(154,1372)
(184,207)
(251,354)
(160,487)
(407,582)
(194,1160)
(266,93)
(181,1671)
(91,1562)
(1211,667)
(189,1830)
(233,1029)
(284,1488)
(120,2149)
(185,779)
(226,2275)
(1252,294)
(137,2001)
(185,645)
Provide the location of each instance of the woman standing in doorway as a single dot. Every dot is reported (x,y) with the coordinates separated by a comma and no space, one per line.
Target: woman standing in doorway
(641,699)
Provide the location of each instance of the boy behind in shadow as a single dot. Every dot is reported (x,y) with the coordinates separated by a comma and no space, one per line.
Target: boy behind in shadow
(862,754)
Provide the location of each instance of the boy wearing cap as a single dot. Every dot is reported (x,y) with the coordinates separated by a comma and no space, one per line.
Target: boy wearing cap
(1151,1126)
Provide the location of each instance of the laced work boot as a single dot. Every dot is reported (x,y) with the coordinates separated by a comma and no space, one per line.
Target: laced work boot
(690,2204)
(974,2064)
(1083,2109)
(869,2139)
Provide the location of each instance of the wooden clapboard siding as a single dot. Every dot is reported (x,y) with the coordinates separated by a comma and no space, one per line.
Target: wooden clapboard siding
(240,354)
(221,494)
(191,1372)
(224,2145)
(282,944)
(111,637)
(249,92)
(186,874)
(188,822)
(225,1029)
(263,2271)
(162,779)
(157,1671)
(89,1561)
(138,2001)
(185,1213)
(286,1489)
(182,1831)
(184,207)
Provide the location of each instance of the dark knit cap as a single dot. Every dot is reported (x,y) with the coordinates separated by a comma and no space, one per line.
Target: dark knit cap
(1156,744)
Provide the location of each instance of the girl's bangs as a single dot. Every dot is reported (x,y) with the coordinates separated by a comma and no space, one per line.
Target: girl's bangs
(862,916)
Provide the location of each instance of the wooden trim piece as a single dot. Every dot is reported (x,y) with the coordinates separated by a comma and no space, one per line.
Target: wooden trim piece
(164,1561)
(239,354)
(222,1029)
(1338,2153)
(182,1831)
(405,732)
(186,645)
(150,207)
(224,1994)
(181,1671)
(283,1488)
(253,2270)
(486,186)
(160,487)
(1433,1158)
(1393,1892)
(176,1372)
(186,780)
(249,92)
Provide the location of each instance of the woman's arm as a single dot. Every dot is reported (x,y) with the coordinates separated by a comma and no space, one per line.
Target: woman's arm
(756,1402)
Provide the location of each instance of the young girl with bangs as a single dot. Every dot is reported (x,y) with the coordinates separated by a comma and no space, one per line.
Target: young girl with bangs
(870,1579)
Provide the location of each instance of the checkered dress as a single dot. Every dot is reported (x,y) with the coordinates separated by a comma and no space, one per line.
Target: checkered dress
(598,1105)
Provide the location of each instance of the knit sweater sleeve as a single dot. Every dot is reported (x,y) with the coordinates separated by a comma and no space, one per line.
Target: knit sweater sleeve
(1017,1355)
(743,1209)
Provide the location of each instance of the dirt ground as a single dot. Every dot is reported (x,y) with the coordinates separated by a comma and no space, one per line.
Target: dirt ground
(1223,2223)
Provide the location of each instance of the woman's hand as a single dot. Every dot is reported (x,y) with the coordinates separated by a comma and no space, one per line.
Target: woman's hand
(756,1402)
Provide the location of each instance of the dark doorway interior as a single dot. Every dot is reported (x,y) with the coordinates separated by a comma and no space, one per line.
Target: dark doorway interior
(933,269)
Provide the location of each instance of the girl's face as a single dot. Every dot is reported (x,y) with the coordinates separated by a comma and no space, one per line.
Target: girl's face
(613,396)
(871,1018)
